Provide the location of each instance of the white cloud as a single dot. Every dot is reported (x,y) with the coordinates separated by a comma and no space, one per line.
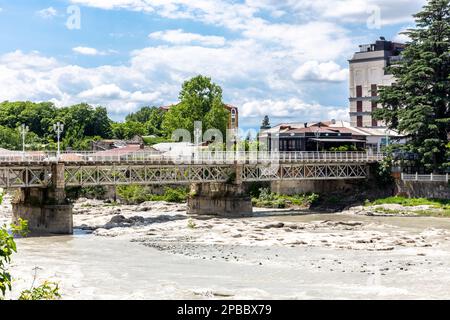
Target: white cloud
(401,37)
(47,13)
(316,71)
(87,51)
(237,15)
(154,76)
(37,78)
(180,37)
(353,11)
(294,109)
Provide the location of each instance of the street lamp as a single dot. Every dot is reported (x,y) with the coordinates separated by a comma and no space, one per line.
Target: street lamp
(58,128)
(24,129)
(387,137)
(317,135)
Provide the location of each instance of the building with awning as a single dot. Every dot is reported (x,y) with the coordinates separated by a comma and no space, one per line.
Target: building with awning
(327,135)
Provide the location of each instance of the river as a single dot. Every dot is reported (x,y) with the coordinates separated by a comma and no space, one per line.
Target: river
(89,266)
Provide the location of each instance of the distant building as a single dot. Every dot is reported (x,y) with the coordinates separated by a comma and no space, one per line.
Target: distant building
(325,136)
(317,136)
(367,74)
(110,144)
(233,119)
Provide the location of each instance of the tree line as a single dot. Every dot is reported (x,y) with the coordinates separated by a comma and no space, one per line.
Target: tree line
(200,100)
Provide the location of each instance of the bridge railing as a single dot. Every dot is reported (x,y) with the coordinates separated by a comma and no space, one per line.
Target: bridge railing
(117,156)
(14,157)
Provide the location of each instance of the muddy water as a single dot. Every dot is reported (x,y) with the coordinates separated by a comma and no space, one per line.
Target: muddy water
(90,267)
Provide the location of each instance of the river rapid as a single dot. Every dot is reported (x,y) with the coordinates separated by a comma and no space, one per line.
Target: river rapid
(155,251)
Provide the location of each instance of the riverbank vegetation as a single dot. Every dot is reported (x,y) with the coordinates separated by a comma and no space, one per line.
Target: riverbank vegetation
(135,194)
(438,207)
(412,202)
(268,199)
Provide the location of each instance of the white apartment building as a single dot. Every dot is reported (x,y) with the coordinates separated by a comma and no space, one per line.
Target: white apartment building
(367,74)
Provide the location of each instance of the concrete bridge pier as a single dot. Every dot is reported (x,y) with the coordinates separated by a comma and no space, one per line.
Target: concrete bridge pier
(220,199)
(46,209)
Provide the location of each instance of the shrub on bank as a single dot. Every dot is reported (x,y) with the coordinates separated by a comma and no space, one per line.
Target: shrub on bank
(138,194)
(412,202)
(268,199)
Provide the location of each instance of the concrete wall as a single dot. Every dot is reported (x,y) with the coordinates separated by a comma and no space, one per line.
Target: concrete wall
(421,189)
(309,186)
(54,219)
(219,199)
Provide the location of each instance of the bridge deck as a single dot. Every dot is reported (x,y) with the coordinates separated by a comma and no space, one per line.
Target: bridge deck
(100,158)
(87,169)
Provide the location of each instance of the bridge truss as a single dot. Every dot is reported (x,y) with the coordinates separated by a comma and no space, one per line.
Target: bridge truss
(304,172)
(110,175)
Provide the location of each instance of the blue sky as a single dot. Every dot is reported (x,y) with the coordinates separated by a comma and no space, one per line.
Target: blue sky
(284,58)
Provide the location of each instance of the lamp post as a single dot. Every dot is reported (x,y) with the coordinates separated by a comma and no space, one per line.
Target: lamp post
(317,135)
(24,129)
(197,139)
(387,137)
(58,128)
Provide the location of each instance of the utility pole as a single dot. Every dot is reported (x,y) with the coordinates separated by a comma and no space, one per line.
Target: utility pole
(23,129)
(58,128)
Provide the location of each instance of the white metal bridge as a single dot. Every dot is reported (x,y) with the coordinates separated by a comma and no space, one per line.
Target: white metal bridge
(34,169)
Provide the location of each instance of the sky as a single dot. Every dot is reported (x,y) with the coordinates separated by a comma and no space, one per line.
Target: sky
(287,59)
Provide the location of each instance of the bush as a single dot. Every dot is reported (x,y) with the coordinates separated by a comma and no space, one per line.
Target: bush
(7,248)
(137,194)
(47,291)
(175,195)
(267,199)
(94,192)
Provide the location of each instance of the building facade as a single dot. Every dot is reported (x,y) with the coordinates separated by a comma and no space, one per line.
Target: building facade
(367,74)
(317,136)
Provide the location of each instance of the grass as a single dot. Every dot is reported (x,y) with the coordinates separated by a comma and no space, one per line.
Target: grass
(442,206)
(412,202)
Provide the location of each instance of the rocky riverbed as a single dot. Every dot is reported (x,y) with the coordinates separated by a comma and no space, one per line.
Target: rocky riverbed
(355,247)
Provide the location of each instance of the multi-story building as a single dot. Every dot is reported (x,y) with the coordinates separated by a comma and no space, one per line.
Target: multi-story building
(367,74)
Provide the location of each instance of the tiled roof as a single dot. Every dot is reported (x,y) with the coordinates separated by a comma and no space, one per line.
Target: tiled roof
(120,151)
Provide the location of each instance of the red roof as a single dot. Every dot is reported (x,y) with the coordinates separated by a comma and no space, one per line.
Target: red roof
(119,151)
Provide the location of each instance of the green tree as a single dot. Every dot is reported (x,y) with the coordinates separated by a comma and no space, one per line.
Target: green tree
(152,117)
(417,105)
(265,123)
(200,100)
(39,117)
(9,138)
(128,130)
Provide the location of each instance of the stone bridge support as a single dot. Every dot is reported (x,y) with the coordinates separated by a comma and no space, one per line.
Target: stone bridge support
(220,199)
(46,209)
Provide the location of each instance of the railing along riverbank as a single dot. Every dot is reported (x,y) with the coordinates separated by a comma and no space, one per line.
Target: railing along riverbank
(425,177)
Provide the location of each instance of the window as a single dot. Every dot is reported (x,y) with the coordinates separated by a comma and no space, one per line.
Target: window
(359,121)
(374,90)
(359,106)
(374,123)
(374,105)
(358,91)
